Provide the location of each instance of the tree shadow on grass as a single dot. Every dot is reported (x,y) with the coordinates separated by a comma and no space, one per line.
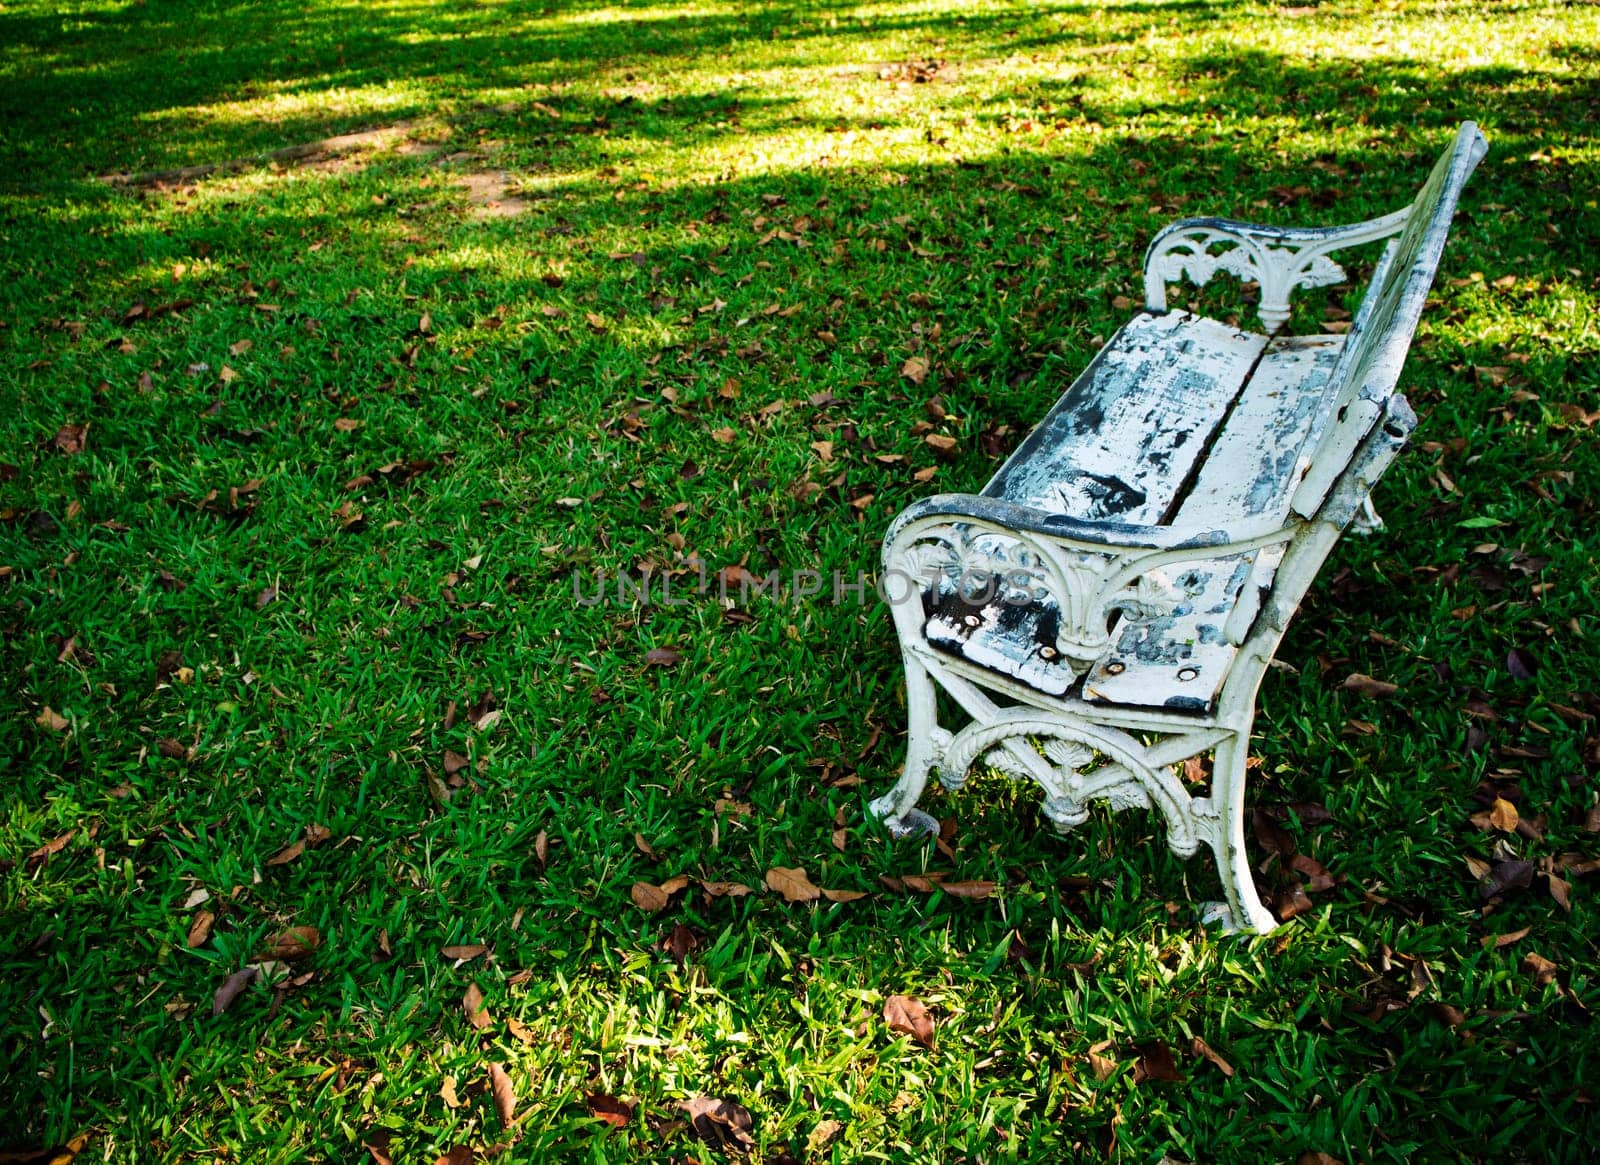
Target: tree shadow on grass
(160,85)
(1017,269)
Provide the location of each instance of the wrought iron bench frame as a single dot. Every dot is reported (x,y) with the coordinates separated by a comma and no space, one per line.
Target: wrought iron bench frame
(1103,574)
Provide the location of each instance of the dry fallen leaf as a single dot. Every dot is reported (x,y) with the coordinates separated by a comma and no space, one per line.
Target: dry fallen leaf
(477,1013)
(505,1097)
(71,439)
(907,1015)
(722,1124)
(616,1113)
(792,884)
(51,720)
(915,369)
(1541,968)
(294,943)
(824,1134)
(1103,1066)
(521,1031)
(447,1093)
(1155,1063)
(200,929)
(1201,1048)
(1368,686)
(464,952)
(229,991)
(287,854)
(649,898)
(1505,940)
(662,657)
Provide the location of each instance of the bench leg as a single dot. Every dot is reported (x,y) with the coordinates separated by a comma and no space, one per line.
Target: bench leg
(898,807)
(1366,519)
(1243,910)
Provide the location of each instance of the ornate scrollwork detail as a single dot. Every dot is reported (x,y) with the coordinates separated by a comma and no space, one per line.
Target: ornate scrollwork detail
(1086,763)
(1278,269)
(1090,589)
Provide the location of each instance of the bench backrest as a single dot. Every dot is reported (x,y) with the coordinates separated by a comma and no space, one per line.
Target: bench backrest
(1361,390)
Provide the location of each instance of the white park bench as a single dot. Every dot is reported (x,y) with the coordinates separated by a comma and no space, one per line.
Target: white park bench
(1105,609)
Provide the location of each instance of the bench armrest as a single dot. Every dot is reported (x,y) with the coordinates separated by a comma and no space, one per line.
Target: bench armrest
(1099,535)
(1091,570)
(1279,259)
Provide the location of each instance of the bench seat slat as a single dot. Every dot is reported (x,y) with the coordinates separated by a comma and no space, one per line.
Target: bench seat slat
(1123,439)
(1238,464)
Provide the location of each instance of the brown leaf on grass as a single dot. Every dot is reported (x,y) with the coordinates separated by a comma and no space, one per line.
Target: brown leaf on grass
(679,943)
(520,1031)
(970,889)
(1521,663)
(503,1094)
(644,847)
(229,991)
(943,446)
(662,657)
(824,1134)
(464,951)
(378,1146)
(844,895)
(1368,686)
(616,1113)
(294,943)
(454,762)
(317,834)
(1201,1048)
(1448,1014)
(477,1012)
(49,849)
(1497,941)
(1270,835)
(1503,815)
(541,849)
(915,369)
(1155,1063)
(649,898)
(287,854)
(460,1155)
(722,1124)
(71,439)
(909,1016)
(447,1093)
(1104,1067)
(1288,903)
(51,720)
(268,596)
(200,929)
(1310,1157)
(793,884)
(726,889)
(1512,875)
(1560,890)
(1542,970)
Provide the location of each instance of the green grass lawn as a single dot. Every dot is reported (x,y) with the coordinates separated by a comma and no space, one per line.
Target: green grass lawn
(299,457)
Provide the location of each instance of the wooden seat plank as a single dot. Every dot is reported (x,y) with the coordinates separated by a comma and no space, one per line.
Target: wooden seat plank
(1123,439)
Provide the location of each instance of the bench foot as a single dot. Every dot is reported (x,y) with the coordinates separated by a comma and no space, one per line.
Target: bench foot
(910,823)
(1366,519)
(1243,909)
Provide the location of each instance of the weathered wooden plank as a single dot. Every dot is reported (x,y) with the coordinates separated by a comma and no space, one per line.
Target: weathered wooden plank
(1252,464)
(1122,440)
